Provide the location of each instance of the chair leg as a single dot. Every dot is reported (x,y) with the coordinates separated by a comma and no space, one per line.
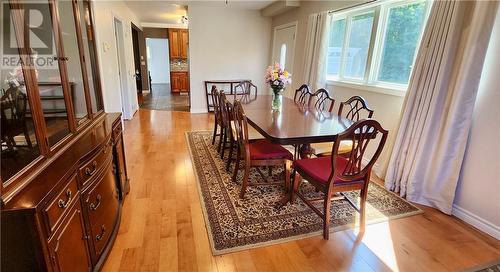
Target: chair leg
(221,135)
(244,183)
(224,142)
(236,165)
(326,215)
(27,137)
(269,171)
(362,210)
(215,132)
(230,156)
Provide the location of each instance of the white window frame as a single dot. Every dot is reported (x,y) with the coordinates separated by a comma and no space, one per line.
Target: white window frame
(377,41)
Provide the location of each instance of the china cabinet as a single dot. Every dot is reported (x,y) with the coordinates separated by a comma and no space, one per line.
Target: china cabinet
(63,167)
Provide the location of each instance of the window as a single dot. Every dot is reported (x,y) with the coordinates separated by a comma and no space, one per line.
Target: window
(283,56)
(376,45)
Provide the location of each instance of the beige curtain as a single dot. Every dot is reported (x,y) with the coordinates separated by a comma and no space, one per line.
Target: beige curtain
(430,144)
(318,26)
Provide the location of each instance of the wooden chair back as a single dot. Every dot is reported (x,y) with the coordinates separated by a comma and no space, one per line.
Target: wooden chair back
(354,108)
(14,105)
(246,88)
(361,133)
(322,101)
(224,110)
(215,102)
(302,95)
(241,128)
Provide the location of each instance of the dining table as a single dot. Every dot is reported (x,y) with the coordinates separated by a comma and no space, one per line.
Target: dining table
(291,123)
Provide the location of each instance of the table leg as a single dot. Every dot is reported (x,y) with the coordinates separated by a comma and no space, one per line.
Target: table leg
(306,151)
(288,194)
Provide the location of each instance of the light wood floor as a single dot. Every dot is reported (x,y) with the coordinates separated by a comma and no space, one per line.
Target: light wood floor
(163,228)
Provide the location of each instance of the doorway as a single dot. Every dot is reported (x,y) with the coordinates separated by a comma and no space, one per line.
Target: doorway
(122,69)
(137,61)
(284,45)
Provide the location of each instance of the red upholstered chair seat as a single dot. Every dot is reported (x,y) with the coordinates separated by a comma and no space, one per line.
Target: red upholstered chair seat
(265,150)
(320,168)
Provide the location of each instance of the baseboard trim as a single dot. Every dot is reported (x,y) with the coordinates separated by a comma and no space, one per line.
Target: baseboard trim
(198,110)
(476,221)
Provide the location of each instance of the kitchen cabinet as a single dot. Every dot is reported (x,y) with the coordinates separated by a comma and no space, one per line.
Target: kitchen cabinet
(179,82)
(178,43)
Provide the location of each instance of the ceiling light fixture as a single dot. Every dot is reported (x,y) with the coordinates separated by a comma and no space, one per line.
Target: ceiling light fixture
(184,19)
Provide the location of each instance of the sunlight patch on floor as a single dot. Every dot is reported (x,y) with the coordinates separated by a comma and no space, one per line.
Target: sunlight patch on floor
(378,239)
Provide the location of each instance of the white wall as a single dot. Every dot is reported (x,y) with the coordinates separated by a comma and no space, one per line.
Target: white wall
(225,43)
(104,14)
(158,60)
(478,191)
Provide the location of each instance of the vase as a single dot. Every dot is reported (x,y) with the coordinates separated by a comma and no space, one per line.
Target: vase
(277,97)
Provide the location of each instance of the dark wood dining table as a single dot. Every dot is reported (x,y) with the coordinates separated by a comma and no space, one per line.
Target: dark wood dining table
(292,124)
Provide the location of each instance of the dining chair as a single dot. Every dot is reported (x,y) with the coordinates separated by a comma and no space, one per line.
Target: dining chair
(338,174)
(218,120)
(302,95)
(245,88)
(226,117)
(354,108)
(253,134)
(321,101)
(257,153)
(13,108)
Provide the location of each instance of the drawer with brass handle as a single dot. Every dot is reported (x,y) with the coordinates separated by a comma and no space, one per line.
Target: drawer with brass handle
(101,204)
(95,164)
(117,130)
(57,206)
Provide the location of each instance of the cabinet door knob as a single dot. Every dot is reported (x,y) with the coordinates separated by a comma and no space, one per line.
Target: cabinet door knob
(90,172)
(94,206)
(63,204)
(101,235)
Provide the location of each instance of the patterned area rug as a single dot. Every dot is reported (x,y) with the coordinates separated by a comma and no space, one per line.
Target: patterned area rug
(489,267)
(234,224)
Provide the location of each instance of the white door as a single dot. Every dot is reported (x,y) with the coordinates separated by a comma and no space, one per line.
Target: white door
(284,45)
(122,69)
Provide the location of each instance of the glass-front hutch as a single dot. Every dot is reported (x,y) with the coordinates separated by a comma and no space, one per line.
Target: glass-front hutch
(63,168)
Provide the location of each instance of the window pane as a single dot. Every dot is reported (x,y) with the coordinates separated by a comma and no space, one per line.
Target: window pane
(90,55)
(50,86)
(73,65)
(359,43)
(19,146)
(336,42)
(402,34)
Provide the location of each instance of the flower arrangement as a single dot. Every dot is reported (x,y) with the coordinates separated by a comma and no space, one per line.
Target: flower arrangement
(277,77)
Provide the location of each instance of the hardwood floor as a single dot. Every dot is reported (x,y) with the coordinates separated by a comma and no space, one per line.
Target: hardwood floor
(163,228)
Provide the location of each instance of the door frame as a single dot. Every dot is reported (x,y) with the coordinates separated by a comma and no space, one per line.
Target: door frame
(137,56)
(125,102)
(276,28)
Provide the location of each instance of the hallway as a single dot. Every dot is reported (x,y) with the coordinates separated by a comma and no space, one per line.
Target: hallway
(161,98)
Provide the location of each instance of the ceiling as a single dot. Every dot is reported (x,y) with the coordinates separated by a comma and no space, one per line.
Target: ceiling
(158,12)
(171,12)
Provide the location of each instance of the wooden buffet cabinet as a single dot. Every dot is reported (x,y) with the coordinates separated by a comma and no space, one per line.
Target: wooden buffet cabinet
(67,217)
(64,175)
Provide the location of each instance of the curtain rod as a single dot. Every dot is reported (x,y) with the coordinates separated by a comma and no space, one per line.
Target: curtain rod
(353,6)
